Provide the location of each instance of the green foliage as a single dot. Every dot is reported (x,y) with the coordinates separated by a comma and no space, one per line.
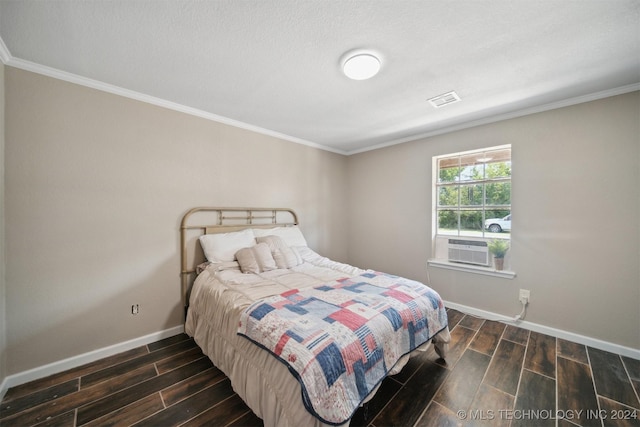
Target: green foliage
(498,247)
(465,195)
(449,174)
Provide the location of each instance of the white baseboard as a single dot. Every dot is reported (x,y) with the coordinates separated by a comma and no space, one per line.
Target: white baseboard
(82,359)
(633,353)
(92,356)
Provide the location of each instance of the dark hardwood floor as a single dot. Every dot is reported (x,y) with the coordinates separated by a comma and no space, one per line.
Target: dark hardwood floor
(495,375)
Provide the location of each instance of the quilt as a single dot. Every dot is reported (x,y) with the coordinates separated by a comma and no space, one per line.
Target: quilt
(341,339)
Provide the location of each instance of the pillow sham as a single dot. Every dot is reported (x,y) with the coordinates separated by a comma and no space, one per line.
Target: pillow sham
(292,236)
(223,247)
(285,256)
(256,259)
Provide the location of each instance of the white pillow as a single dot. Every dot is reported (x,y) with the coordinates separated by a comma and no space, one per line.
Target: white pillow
(292,236)
(223,247)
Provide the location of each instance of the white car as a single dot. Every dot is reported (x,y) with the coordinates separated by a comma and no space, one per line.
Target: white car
(497,225)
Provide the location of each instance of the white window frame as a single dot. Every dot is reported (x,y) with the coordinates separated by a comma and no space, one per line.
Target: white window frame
(440,259)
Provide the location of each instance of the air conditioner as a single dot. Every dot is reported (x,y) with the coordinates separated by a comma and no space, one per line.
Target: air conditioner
(468,252)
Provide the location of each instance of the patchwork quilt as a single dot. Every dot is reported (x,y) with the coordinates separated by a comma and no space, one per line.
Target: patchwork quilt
(341,339)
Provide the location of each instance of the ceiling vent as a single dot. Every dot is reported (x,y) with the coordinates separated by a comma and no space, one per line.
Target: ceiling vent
(444,99)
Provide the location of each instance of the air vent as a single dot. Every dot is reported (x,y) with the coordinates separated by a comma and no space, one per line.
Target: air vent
(444,99)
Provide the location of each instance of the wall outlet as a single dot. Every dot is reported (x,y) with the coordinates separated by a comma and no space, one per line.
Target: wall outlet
(525,296)
(135,309)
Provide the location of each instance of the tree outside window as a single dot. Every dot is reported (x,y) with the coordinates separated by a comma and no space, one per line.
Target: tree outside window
(472,187)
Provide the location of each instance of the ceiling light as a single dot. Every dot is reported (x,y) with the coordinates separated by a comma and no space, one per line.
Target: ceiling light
(361,66)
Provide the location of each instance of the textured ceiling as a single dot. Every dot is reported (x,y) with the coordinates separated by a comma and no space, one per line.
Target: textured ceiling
(274,65)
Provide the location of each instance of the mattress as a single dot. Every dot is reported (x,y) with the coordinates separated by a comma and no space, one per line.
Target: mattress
(220,294)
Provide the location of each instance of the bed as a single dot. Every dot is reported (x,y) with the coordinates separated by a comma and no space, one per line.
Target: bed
(304,339)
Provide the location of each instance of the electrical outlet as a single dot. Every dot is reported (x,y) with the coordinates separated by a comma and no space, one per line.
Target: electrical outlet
(525,296)
(135,309)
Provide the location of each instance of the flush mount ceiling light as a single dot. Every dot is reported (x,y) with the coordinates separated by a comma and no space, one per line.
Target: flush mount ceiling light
(361,66)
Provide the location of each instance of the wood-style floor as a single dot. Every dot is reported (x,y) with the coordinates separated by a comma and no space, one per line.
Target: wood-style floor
(494,375)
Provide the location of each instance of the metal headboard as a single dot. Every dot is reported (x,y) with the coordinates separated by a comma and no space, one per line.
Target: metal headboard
(208,220)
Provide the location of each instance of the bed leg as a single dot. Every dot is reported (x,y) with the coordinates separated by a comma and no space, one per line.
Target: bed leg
(441,343)
(442,348)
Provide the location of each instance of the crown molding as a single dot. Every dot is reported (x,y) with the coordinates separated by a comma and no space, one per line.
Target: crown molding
(22,64)
(5,55)
(8,59)
(512,115)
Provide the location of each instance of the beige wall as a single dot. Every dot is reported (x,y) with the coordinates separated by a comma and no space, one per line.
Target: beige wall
(576,207)
(3,322)
(96,185)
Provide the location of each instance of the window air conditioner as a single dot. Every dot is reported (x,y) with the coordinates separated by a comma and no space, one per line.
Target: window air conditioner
(468,252)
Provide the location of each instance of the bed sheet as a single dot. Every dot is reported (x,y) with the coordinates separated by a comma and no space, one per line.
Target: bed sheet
(221,293)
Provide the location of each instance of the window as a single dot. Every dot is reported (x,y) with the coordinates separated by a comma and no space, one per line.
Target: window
(472,206)
(473,193)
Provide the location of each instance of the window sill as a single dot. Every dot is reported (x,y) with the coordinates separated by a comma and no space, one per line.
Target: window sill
(469,268)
